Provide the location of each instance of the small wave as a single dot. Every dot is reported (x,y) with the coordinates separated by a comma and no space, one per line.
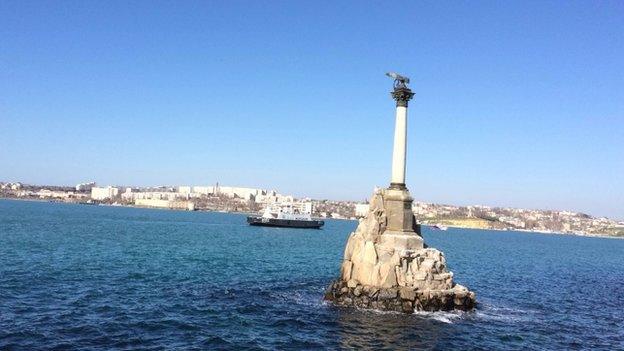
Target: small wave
(380,312)
(302,298)
(503,313)
(441,316)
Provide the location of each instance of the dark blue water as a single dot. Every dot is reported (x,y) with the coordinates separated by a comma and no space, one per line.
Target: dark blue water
(86,277)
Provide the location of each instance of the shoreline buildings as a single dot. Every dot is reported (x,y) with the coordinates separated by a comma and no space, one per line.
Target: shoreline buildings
(246,199)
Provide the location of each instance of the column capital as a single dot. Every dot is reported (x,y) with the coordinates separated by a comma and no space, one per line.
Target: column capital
(402,95)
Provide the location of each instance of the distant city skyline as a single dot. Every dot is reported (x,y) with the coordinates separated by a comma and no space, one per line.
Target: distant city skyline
(517,105)
(179,187)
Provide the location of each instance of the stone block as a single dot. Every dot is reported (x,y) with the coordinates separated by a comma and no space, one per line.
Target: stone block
(401,241)
(346,269)
(427,265)
(388,276)
(358,246)
(348,253)
(386,254)
(371,291)
(370,254)
(407,307)
(398,206)
(387,294)
(420,275)
(441,276)
(364,273)
(407,294)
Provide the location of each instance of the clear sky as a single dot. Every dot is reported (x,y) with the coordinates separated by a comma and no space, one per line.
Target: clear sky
(517,103)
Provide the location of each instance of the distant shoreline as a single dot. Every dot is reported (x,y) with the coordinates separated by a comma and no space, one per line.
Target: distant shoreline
(152,208)
(538,232)
(346,219)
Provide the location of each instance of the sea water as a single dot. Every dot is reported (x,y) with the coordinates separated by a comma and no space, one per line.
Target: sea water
(76,277)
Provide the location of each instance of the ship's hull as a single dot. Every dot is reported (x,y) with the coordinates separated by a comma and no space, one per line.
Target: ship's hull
(288,223)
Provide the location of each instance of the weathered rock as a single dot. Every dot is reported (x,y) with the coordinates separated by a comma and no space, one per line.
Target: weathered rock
(369,255)
(387,265)
(407,293)
(346,269)
(401,300)
(387,294)
(407,307)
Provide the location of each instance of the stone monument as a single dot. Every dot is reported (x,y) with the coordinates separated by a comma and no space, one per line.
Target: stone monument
(386,264)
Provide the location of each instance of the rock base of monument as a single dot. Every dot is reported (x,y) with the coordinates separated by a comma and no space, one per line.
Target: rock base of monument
(387,266)
(404,299)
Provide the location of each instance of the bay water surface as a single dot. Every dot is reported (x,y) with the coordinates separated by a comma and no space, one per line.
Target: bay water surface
(76,277)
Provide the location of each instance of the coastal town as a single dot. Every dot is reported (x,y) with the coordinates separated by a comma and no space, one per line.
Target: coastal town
(252,200)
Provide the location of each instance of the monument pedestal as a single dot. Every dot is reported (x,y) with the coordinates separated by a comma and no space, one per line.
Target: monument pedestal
(398,205)
(387,266)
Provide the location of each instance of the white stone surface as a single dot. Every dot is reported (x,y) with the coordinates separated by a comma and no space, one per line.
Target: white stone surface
(399,151)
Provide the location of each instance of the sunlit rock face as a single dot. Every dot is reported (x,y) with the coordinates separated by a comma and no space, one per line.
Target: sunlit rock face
(387,266)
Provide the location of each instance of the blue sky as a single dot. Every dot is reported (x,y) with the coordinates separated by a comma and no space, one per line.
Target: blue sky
(517,103)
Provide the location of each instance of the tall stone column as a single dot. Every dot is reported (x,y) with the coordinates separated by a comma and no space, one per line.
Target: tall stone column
(397,199)
(402,95)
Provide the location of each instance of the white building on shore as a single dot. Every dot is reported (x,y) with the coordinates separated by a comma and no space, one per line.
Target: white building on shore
(11,186)
(171,204)
(104,193)
(85,186)
(185,193)
(185,189)
(229,191)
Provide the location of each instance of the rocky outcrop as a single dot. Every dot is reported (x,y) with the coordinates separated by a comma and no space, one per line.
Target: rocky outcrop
(403,299)
(387,266)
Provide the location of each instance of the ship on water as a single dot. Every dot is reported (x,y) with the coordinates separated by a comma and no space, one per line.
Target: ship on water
(291,215)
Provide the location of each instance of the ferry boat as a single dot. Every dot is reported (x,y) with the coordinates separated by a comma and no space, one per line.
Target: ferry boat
(291,215)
